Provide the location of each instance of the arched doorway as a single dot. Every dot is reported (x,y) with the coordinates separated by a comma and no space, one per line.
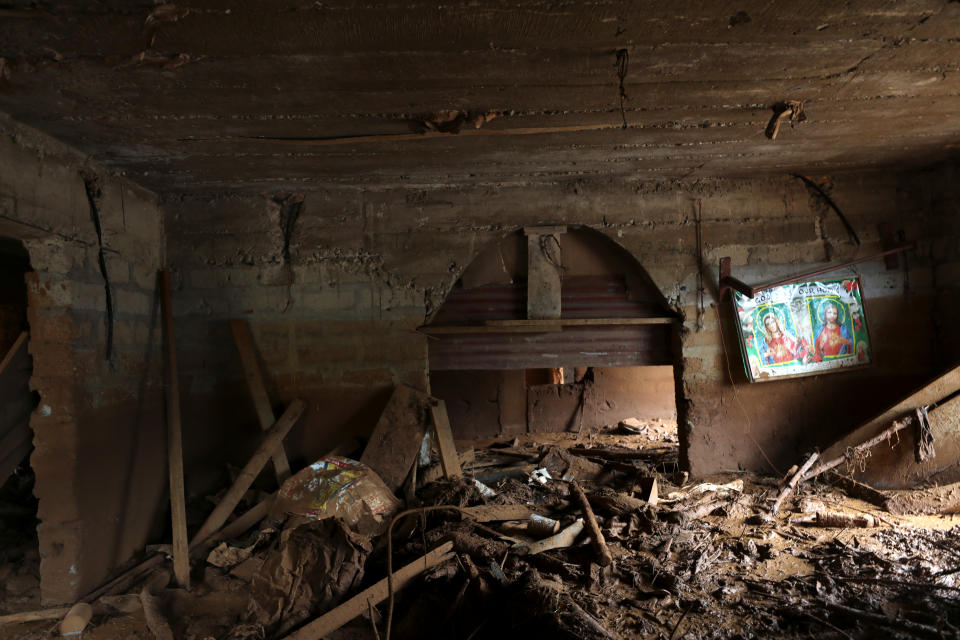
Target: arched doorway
(553,329)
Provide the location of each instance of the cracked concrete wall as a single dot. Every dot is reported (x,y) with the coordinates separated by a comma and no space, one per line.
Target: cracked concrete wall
(371,264)
(98,430)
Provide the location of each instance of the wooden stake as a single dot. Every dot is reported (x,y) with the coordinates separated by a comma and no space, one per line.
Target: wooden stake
(596,536)
(261,401)
(272,440)
(562,540)
(178,506)
(448,450)
(333,620)
(788,488)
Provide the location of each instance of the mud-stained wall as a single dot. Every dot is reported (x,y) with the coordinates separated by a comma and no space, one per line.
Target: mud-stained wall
(334,299)
(99,452)
(484,404)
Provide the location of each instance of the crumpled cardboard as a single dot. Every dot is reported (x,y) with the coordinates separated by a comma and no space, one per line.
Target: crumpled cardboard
(314,566)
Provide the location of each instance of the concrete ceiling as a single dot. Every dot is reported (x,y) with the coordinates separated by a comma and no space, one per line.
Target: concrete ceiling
(211,96)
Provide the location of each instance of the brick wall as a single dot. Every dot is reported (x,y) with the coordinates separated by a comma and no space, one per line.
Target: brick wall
(336,324)
(99,452)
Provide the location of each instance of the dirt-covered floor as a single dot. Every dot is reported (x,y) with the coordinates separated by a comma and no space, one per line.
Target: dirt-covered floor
(702,558)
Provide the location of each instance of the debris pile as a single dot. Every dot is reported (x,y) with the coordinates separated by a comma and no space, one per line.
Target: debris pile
(543,536)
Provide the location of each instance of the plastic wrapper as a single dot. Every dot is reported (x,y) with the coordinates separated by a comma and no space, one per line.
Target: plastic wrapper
(342,488)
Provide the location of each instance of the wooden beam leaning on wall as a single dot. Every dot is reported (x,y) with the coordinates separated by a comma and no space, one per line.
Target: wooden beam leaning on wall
(271,441)
(258,392)
(448,450)
(178,509)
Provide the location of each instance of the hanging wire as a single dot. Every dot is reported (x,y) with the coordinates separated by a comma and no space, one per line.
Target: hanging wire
(623,66)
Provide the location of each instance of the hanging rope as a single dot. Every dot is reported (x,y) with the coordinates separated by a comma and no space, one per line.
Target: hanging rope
(623,66)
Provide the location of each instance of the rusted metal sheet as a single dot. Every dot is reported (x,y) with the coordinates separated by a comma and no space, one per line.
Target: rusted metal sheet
(602,346)
(581,297)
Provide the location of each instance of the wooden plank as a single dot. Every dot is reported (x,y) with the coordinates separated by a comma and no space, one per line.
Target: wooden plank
(258,391)
(358,604)
(544,261)
(498,512)
(395,441)
(271,440)
(16,404)
(448,450)
(178,506)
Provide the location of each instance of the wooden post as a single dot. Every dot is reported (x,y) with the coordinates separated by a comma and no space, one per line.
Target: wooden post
(261,401)
(544,264)
(271,440)
(448,450)
(178,507)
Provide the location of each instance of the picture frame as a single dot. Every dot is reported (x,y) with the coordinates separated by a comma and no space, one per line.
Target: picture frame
(803,329)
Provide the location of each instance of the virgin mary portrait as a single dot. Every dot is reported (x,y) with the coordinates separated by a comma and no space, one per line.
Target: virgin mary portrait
(781,347)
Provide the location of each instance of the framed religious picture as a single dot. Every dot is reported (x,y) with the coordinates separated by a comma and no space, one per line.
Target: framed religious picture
(803,329)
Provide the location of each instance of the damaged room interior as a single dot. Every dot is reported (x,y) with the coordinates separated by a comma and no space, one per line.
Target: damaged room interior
(481,320)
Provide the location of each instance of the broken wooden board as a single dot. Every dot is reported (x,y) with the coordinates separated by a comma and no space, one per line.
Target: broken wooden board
(448,450)
(358,604)
(498,512)
(258,391)
(395,441)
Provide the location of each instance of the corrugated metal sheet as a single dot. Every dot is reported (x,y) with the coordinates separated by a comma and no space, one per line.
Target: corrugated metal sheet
(580,297)
(603,346)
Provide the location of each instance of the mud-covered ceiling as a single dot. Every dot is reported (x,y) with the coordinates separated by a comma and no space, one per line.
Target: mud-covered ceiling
(215,95)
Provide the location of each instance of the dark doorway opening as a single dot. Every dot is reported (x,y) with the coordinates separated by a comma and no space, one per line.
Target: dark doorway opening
(19,556)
